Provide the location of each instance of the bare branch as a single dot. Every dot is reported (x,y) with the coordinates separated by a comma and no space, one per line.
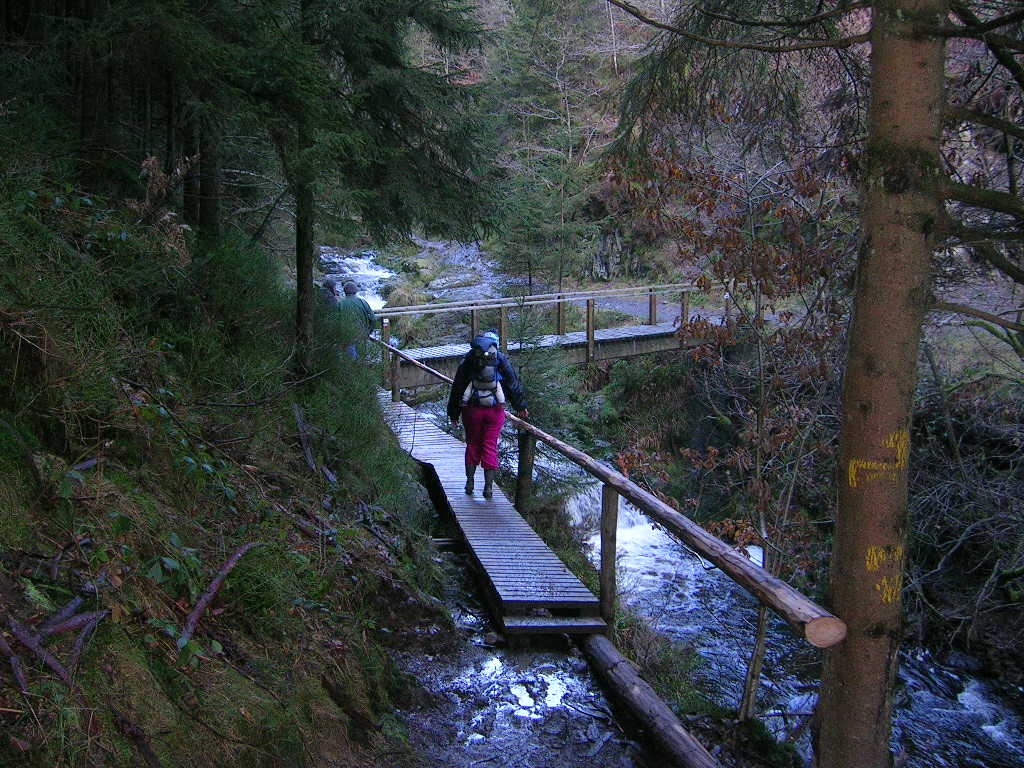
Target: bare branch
(790,23)
(1003,42)
(992,199)
(996,23)
(207,597)
(74,622)
(34,643)
(83,638)
(962,114)
(968,17)
(963,309)
(842,42)
(16,668)
(69,610)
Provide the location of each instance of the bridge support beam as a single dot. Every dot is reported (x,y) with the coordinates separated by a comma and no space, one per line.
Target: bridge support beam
(609,528)
(524,477)
(591,322)
(396,377)
(621,676)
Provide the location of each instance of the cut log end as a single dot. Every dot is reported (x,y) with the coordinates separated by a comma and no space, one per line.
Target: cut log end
(825,631)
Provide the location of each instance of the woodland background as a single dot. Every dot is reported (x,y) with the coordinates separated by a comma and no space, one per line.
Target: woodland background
(170,166)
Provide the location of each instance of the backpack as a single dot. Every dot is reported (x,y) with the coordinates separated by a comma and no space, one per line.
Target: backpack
(484,386)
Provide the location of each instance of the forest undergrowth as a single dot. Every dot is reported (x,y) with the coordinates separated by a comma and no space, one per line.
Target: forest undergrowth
(203,558)
(963,586)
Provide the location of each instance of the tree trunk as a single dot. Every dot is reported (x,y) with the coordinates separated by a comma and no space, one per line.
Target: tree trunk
(171,126)
(190,184)
(209,187)
(304,227)
(302,177)
(901,207)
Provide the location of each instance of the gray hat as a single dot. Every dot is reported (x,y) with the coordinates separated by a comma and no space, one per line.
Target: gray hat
(351,288)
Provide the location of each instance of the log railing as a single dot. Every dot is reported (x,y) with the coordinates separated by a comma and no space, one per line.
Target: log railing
(812,622)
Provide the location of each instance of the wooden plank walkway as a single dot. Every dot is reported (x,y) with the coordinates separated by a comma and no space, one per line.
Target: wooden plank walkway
(529,589)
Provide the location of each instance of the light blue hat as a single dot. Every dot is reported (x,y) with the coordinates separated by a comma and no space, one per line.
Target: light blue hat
(485,340)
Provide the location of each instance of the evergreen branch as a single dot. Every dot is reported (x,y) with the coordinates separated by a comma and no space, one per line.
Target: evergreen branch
(963,309)
(842,42)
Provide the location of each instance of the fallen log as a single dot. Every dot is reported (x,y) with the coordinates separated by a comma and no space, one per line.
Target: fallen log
(622,677)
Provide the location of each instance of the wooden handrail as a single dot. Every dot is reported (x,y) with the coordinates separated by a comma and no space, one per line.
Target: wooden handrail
(532,299)
(816,625)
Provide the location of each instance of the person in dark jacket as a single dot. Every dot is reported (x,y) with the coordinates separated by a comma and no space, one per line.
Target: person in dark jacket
(360,315)
(484,381)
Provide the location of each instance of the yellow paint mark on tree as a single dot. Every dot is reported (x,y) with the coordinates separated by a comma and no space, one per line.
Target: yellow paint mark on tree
(889,588)
(877,556)
(862,471)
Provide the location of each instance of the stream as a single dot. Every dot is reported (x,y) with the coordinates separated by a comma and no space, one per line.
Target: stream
(541,707)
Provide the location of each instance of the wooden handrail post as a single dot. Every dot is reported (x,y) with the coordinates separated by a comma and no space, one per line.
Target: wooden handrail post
(684,311)
(652,307)
(503,329)
(524,477)
(474,323)
(385,336)
(560,315)
(609,527)
(396,372)
(590,330)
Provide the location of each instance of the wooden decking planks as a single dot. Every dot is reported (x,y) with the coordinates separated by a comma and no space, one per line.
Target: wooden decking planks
(530,589)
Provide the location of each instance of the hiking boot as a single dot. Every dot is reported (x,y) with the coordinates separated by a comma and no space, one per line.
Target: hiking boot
(470,471)
(489,483)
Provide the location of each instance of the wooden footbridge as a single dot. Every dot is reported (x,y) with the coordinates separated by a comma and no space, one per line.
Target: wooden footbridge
(525,580)
(528,588)
(587,345)
(531,591)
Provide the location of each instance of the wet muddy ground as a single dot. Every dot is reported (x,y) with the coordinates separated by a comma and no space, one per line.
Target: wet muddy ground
(528,703)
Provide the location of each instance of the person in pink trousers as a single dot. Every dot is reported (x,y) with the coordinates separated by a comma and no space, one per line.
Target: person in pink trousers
(484,381)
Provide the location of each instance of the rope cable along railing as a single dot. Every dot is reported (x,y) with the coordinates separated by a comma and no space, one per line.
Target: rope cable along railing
(808,619)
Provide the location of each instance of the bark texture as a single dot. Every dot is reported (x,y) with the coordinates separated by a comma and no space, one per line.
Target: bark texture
(901,208)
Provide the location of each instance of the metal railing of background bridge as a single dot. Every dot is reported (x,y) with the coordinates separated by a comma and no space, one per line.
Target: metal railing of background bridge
(503,305)
(811,621)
